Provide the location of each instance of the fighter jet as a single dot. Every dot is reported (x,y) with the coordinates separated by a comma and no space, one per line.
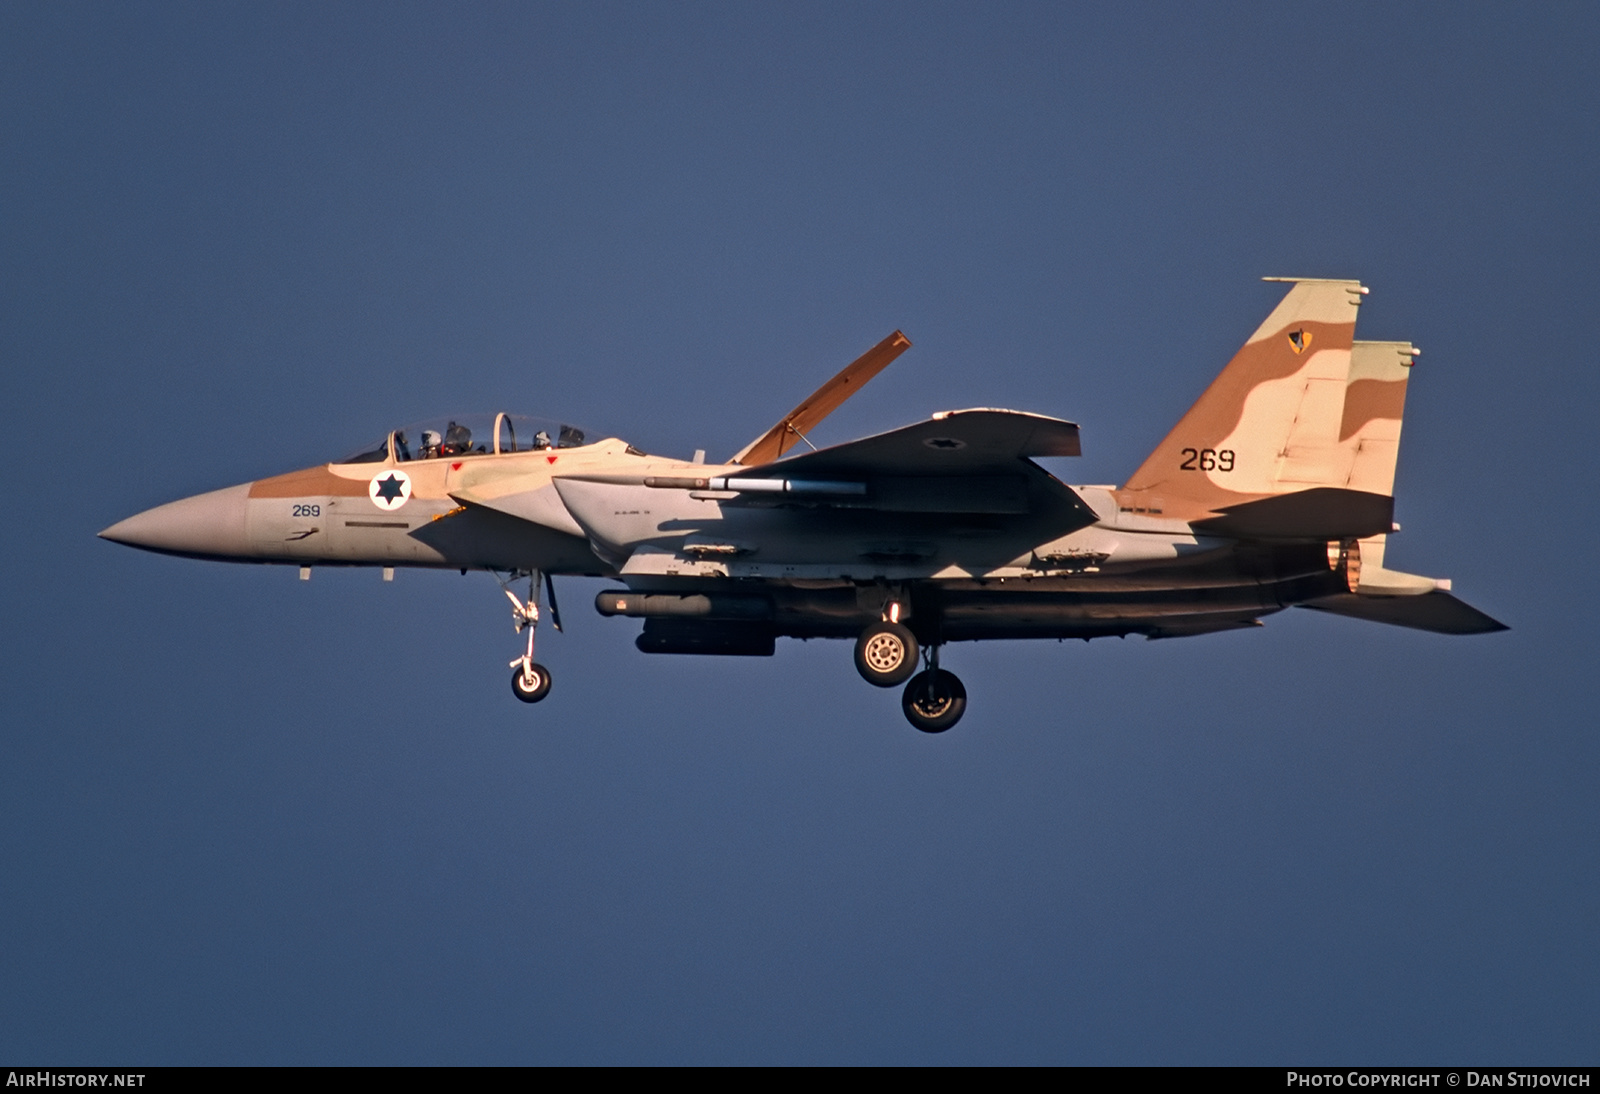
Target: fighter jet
(467,493)
(1274,490)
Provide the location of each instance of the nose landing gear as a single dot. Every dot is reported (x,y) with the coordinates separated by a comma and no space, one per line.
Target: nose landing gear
(530,681)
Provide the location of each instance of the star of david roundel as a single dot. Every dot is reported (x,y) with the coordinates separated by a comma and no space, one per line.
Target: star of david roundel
(389,489)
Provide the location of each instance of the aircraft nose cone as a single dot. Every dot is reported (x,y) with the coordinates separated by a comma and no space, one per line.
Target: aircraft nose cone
(204,526)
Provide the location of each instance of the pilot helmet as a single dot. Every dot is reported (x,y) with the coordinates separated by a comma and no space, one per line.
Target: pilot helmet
(430,437)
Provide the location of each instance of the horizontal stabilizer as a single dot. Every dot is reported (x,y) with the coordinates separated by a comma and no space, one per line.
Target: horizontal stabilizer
(1438,611)
(1324,512)
(1375,580)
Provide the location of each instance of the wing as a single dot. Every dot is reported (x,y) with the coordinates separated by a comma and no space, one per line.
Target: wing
(959,478)
(959,461)
(952,442)
(822,402)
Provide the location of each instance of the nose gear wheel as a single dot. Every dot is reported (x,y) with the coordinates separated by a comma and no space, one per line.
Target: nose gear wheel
(530,683)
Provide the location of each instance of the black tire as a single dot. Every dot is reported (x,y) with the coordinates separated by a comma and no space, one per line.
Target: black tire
(886,654)
(541,686)
(934,700)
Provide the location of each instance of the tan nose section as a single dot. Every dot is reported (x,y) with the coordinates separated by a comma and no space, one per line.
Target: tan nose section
(206,525)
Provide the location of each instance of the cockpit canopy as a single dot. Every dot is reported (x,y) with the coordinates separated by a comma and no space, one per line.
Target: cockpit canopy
(469,435)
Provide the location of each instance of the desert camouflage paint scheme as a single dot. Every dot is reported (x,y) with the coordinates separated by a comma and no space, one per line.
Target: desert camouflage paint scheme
(1274,490)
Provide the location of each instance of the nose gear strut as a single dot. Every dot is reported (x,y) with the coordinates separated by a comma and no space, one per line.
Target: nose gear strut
(530,681)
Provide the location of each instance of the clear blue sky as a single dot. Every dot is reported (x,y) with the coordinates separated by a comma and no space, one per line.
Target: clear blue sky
(246,819)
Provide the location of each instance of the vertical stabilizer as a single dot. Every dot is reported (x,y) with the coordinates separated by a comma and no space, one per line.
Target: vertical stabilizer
(1374,403)
(1374,406)
(1270,423)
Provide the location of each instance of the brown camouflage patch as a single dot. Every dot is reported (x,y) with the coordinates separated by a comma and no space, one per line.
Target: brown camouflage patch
(1366,400)
(1217,413)
(312,482)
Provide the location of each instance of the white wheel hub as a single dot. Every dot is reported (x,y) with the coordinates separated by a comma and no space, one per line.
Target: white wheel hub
(884,652)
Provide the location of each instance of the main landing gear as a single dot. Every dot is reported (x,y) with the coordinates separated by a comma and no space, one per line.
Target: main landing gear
(530,681)
(886,656)
(934,700)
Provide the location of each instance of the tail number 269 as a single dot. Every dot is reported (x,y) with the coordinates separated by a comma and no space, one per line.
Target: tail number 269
(1207,459)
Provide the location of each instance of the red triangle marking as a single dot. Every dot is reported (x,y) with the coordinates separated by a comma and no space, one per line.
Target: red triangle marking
(455,467)
(550,459)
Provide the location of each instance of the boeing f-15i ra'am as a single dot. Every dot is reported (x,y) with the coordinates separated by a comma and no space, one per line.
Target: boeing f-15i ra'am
(1274,490)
